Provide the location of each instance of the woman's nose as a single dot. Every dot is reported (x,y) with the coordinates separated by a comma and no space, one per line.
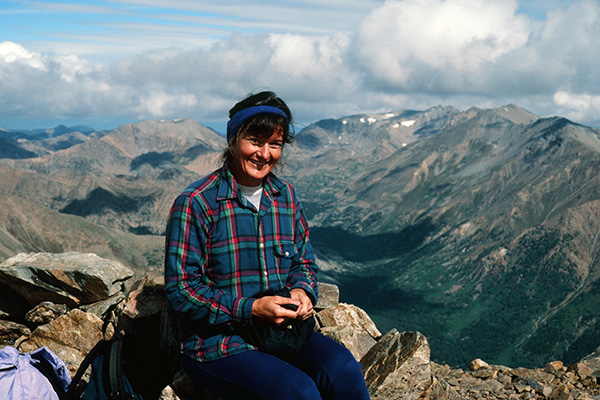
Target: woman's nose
(264,151)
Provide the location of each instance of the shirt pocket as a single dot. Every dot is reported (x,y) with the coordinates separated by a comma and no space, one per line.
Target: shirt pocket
(285,253)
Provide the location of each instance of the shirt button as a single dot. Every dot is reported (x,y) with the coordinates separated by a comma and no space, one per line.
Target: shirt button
(261,245)
(287,253)
(265,273)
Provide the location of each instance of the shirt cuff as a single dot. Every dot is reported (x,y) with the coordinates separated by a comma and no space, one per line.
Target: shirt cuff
(308,289)
(242,309)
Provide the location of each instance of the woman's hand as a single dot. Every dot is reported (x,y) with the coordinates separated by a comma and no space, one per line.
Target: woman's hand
(269,308)
(306,307)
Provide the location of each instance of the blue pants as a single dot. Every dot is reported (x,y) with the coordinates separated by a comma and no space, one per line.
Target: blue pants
(323,370)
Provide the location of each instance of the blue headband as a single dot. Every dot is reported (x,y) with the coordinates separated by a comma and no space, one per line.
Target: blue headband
(236,121)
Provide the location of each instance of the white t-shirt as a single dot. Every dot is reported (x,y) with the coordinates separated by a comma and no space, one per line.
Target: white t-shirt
(252,194)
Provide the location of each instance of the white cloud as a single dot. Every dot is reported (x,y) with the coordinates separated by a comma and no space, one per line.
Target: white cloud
(402,41)
(405,54)
(578,107)
(569,44)
(157,104)
(14,53)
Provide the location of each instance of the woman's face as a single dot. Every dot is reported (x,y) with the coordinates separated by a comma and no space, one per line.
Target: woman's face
(254,157)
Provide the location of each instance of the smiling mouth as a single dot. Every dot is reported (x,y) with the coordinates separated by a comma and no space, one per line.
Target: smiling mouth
(258,164)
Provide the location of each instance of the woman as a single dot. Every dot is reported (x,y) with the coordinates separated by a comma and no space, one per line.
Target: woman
(236,234)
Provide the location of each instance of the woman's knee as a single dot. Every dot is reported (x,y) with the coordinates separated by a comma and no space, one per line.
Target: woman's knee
(337,373)
(333,356)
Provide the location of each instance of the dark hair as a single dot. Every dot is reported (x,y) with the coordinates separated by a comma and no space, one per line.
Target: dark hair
(261,125)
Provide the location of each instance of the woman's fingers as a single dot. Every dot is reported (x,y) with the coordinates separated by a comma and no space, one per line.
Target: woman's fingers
(272,309)
(306,309)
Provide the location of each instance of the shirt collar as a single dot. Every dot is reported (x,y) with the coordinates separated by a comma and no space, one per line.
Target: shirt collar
(228,188)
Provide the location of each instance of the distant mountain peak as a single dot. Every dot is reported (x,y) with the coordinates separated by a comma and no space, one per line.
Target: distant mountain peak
(381,133)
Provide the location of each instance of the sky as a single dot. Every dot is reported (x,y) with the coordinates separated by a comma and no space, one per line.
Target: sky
(103,63)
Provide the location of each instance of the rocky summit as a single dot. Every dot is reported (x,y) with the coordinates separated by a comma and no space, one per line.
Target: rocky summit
(396,365)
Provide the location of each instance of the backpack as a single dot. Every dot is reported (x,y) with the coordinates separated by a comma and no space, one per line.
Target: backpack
(53,368)
(107,378)
(39,375)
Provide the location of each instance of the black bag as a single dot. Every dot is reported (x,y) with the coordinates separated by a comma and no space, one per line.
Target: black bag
(283,341)
(107,379)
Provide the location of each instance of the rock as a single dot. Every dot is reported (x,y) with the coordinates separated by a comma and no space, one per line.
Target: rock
(349,326)
(560,392)
(441,390)
(397,366)
(527,385)
(554,367)
(102,307)
(581,369)
(485,373)
(593,361)
(143,302)
(590,382)
(503,378)
(358,341)
(348,315)
(544,390)
(70,337)
(67,278)
(45,312)
(10,331)
(535,375)
(491,385)
(478,364)
(329,296)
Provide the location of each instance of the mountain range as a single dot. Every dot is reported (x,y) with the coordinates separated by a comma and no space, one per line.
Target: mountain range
(478,228)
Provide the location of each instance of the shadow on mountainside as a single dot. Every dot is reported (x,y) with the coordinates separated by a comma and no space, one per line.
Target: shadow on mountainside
(99,201)
(359,248)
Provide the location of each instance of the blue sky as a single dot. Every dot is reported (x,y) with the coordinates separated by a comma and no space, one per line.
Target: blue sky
(105,63)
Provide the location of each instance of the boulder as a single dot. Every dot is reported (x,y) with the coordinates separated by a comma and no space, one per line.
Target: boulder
(554,367)
(348,315)
(10,331)
(560,392)
(441,390)
(397,366)
(146,299)
(478,364)
(349,326)
(526,374)
(329,296)
(593,362)
(355,340)
(45,312)
(67,278)
(70,337)
(101,308)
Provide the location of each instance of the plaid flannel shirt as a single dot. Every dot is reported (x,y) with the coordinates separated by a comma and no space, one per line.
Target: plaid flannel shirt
(221,252)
